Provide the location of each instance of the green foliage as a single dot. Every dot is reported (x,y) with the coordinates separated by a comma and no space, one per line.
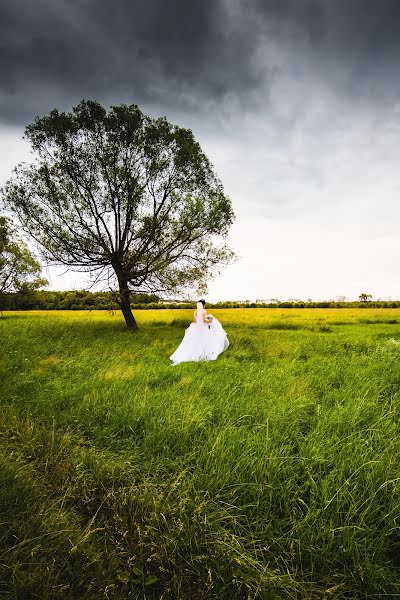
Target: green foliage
(271,473)
(365,297)
(125,196)
(69,300)
(18,268)
(85,300)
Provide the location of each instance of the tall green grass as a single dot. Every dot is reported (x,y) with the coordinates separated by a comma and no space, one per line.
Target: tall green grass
(270,473)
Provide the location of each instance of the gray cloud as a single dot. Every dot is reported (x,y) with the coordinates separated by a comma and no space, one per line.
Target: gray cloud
(353,45)
(187,54)
(157,52)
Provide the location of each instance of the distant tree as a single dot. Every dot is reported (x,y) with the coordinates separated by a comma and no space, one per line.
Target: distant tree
(365,297)
(19,271)
(124,196)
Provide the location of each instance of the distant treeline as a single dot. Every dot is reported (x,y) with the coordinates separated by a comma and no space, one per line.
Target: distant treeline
(85,300)
(71,300)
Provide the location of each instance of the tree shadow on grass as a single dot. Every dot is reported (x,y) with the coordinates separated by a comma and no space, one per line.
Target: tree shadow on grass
(378,321)
(280,325)
(180,323)
(4,317)
(388,336)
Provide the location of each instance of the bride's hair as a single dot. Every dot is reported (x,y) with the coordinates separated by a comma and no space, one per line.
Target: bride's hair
(203,302)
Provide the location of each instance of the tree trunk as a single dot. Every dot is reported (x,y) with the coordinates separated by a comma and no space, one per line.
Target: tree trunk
(125,305)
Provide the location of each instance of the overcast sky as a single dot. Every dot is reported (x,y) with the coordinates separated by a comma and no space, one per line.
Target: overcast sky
(296,103)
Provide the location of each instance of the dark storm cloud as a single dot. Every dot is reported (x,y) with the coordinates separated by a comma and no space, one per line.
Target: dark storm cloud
(185,53)
(365,28)
(155,51)
(356,43)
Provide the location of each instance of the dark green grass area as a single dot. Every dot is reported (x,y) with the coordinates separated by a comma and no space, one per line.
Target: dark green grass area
(271,473)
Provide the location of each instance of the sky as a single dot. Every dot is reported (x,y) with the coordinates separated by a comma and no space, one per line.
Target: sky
(295,102)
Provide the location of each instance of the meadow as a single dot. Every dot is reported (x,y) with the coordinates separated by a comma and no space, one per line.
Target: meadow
(271,473)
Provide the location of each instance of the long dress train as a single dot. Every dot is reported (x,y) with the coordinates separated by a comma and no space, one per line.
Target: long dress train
(202,341)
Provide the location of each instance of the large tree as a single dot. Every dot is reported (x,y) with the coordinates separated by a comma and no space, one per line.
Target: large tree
(19,270)
(120,193)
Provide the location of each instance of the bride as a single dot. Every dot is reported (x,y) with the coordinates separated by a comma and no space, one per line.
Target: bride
(204,339)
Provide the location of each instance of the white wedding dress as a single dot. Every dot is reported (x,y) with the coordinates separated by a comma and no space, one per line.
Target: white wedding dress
(202,341)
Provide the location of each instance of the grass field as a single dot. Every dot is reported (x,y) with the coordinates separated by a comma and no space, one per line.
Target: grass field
(271,473)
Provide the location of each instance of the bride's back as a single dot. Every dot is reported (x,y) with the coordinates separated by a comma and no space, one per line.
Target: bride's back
(199,312)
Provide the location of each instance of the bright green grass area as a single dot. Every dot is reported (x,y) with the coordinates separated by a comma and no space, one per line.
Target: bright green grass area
(271,473)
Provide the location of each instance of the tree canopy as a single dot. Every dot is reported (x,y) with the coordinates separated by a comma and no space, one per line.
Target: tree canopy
(130,198)
(18,268)
(365,297)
